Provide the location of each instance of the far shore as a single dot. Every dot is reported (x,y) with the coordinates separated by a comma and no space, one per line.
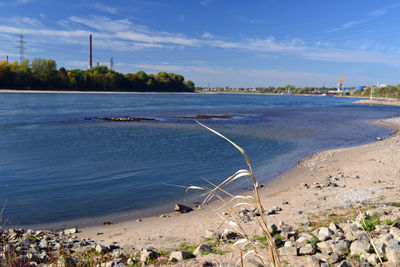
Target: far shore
(83,92)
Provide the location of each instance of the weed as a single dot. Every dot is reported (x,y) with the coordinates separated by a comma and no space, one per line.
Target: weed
(369,223)
(246,245)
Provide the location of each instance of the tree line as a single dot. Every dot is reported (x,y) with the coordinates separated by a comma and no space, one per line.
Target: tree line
(43,74)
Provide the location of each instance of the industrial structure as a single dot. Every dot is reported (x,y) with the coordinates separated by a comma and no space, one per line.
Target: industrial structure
(90,65)
(340,84)
(21,46)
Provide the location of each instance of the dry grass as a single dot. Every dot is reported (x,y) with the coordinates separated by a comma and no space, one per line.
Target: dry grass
(246,245)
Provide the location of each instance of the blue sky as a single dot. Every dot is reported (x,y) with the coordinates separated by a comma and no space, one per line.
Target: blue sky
(217,42)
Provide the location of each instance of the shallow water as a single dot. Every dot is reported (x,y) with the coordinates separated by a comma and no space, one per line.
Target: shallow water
(56,166)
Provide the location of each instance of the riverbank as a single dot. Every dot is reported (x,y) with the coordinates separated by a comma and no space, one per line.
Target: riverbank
(379,101)
(83,92)
(366,173)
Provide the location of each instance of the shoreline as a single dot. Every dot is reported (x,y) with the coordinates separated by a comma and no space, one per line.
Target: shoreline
(190,228)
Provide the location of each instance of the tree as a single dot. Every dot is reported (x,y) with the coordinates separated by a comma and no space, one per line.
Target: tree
(190,85)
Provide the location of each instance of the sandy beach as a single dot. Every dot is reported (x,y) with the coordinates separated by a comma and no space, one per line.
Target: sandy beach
(368,172)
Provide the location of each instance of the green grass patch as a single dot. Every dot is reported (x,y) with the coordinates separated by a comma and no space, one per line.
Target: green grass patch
(369,223)
(187,248)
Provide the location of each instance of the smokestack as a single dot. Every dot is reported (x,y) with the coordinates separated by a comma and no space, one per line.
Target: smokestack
(90,51)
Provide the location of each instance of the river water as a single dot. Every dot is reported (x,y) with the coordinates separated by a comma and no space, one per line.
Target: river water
(58,166)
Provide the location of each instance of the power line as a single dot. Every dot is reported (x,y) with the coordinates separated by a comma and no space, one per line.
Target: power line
(21,46)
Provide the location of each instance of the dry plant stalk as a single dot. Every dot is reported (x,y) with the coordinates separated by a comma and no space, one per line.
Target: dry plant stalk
(370,237)
(246,244)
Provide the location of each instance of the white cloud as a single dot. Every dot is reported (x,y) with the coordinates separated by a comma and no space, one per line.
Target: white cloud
(105,8)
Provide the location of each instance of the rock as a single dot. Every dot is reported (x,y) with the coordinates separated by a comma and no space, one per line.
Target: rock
(325,247)
(304,185)
(288,251)
(230,234)
(43,244)
(333,227)
(359,246)
(289,235)
(130,261)
(373,259)
(201,249)
(213,234)
(284,227)
(385,238)
(273,227)
(182,208)
(67,262)
(379,138)
(307,223)
(395,232)
(100,248)
(33,257)
(375,212)
(308,249)
(324,233)
(164,215)
(115,263)
(363,236)
(393,254)
(289,244)
(344,264)
(253,263)
(313,261)
(179,255)
(340,247)
(148,254)
(71,231)
(351,231)
(380,246)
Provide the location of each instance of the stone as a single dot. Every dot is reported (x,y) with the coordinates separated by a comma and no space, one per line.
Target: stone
(273,227)
(395,232)
(100,248)
(333,258)
(325,247)
(393,254)
(313,261)
(148,254)
(380,246)
(130,261)
(344,264)
(216,235)
(333,227)
(289,235)
(33,257)
(351,231)
(385,238)
(375,212)
(324,233)
(201,249)
(287,251)
(253,263)
(289,244)
(359,246)
(67,262)
(43,244)
(284,227)
(115,263)
(182,208)
(179,255)
(71,231)
(308,249)
(373,259)
(230,234)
